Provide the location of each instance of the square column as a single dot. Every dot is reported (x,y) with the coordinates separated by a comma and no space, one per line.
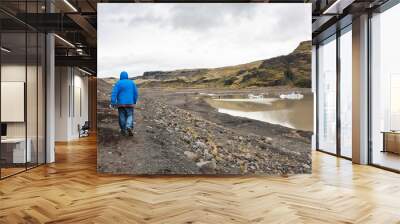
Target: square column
(360,90)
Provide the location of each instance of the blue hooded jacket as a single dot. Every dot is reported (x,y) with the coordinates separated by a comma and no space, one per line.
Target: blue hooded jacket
(124,92)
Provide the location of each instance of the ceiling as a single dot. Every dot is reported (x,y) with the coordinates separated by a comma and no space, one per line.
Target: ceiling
(75,21)
(331,15)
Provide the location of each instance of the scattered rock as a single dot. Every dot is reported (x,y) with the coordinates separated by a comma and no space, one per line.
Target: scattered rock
(191,155)
(175,131)
(199,145)
(186,139)
(207,166)
(207,155)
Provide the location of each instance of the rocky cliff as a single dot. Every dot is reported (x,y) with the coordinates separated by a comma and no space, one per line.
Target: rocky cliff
(293,69)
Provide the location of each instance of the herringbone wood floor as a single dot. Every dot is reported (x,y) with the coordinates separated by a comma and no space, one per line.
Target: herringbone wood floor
(70,191)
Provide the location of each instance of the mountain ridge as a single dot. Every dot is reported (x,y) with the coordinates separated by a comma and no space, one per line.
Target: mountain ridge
(293,69)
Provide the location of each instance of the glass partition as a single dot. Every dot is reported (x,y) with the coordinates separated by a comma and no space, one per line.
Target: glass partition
(346,92)
(41,97)
(32,87)
(385,89)
(14,153)
(22,77)
(32,97)
(327,95)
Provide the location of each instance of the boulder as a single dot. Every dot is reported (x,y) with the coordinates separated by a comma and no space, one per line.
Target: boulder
(191,155)
(207,166)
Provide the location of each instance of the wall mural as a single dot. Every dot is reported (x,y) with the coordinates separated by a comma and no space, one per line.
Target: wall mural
(204,88)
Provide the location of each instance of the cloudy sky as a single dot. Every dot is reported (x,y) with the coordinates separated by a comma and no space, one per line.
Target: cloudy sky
(151,37)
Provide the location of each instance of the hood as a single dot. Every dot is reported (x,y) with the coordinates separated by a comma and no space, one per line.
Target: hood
(123,75)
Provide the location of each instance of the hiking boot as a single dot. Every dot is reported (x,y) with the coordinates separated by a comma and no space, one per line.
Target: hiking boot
(123,133)
(130,132)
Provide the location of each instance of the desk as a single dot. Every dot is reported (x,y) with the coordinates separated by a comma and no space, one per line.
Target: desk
(391,141)
(16,147)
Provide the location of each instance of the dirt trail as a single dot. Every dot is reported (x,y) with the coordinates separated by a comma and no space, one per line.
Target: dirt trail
(182,134)
(144,153)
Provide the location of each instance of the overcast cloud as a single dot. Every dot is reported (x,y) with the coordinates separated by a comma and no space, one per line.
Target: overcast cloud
(150,37)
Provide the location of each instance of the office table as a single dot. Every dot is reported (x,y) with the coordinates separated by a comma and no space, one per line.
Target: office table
(16,147)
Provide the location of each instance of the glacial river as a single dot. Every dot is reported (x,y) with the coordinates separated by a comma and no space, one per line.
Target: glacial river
(292,113)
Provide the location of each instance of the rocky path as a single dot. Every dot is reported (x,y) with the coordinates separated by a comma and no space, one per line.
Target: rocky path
(149,151)
(172,138)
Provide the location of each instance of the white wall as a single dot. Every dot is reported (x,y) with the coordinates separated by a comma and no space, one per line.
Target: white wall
(71,87)
(79,110)
(62,81)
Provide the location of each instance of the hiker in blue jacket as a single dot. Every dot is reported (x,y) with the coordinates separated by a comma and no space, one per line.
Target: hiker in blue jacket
(124,96)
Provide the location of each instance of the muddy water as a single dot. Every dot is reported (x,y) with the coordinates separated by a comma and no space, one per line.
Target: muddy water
(297,114)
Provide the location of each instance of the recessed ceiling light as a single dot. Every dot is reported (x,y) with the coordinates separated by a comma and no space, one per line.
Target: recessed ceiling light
(64,40)
(84,71)
(5,50)
(338,6)
(70,5)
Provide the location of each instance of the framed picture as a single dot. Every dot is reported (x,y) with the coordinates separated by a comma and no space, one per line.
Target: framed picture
(196,88)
